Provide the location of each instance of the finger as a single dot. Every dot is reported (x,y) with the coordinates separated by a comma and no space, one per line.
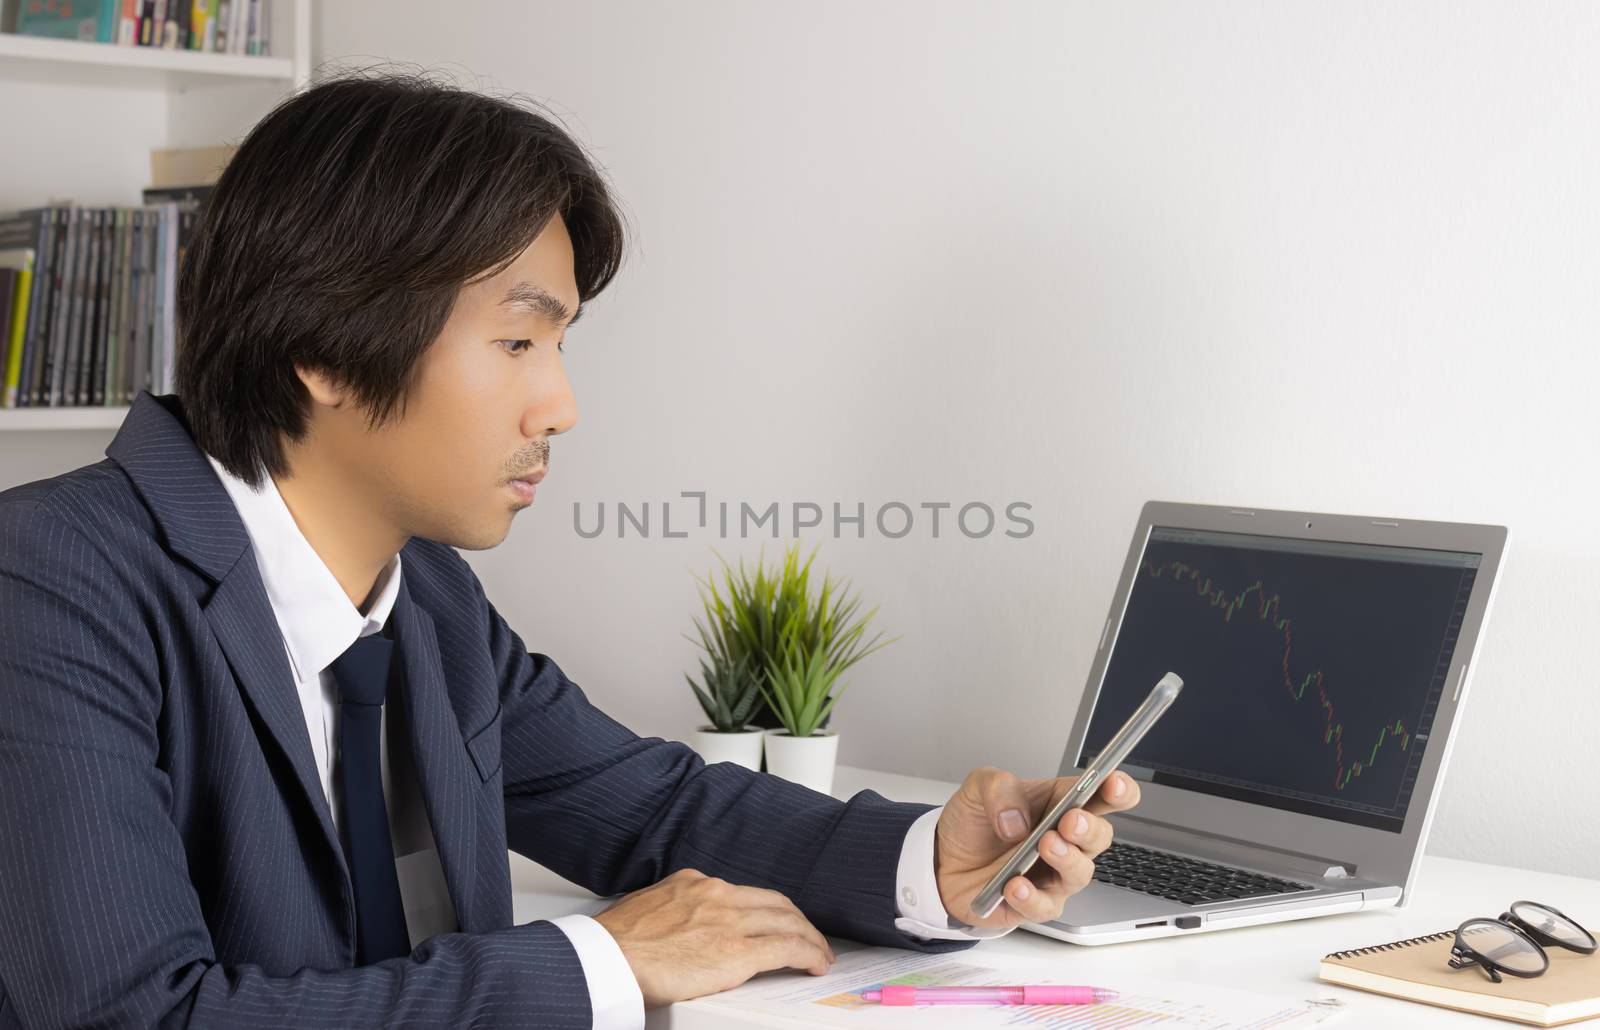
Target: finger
(1073,867)
(1089,832)
(1004,802)
(785,951)
(773,919)
(1118,793)
(1033,903)
(771,899)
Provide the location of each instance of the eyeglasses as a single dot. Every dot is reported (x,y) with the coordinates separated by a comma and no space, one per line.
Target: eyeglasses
(1515,943)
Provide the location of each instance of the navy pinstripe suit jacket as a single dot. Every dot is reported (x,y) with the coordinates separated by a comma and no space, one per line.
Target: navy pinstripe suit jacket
(166,852)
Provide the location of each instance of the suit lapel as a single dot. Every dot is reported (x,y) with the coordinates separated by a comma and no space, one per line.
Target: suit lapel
(241,617)
(445,774)
(200,525)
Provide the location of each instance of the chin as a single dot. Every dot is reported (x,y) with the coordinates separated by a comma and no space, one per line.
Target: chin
(479,536)
(489,537)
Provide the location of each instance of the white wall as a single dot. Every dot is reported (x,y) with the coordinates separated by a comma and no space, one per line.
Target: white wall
(1330,257)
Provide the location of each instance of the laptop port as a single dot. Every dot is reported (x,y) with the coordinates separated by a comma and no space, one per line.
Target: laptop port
(1158,922)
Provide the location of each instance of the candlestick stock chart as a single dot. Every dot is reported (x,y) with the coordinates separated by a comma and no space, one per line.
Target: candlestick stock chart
(1312,671)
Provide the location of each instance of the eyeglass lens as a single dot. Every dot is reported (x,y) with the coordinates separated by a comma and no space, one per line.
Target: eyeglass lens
(1553,923)
(1503,946)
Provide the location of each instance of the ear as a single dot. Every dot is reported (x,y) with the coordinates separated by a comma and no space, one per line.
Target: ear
(322,389)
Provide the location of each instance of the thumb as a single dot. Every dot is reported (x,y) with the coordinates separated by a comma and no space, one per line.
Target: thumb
(1006,805)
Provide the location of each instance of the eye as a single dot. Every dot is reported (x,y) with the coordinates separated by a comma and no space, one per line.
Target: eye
(518,346)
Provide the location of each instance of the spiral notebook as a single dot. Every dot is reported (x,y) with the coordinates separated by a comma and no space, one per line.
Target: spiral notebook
(1415,969)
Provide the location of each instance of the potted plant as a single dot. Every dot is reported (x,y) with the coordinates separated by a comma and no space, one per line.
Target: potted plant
(729,692)
(796,642)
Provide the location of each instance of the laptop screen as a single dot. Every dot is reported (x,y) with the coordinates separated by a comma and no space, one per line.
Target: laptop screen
(1312,670)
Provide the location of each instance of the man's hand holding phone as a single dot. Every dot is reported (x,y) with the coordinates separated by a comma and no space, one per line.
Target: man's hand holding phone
(991,813)
(994,831)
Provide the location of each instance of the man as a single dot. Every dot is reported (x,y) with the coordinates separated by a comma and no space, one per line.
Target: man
(264,741)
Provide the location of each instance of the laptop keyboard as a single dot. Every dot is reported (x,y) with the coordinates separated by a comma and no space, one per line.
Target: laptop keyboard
(1185,880)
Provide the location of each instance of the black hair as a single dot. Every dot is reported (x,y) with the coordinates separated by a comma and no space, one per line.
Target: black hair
(338,236)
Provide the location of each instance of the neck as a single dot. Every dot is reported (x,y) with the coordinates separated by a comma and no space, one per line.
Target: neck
(344,527)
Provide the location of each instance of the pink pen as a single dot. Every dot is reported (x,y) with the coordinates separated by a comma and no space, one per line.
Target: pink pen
(1046,994)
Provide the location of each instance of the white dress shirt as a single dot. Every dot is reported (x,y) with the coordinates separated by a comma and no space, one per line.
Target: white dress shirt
(318,624)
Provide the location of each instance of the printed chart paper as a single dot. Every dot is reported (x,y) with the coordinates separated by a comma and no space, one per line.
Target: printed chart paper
(834,999)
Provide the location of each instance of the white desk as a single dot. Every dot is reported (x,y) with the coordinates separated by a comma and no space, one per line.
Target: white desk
(1280,958)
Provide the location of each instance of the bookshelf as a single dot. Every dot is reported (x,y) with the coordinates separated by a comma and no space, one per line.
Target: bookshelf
(58,60)
(93,112)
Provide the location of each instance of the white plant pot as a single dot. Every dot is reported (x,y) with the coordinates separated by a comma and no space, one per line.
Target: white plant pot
(808,761)
(739,748)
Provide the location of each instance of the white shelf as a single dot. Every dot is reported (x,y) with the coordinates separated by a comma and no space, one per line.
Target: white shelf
(31,57)
(102,110)
(61,418)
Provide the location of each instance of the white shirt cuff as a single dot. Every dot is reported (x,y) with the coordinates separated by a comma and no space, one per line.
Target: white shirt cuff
(922,911)
(614,994)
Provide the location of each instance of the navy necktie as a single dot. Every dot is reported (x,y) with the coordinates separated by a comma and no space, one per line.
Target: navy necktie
(362,673)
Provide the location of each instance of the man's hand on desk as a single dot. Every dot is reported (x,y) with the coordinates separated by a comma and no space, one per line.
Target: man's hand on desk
(693,934)
(993,810)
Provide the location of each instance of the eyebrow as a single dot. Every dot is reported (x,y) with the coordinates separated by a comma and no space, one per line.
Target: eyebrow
(536,300)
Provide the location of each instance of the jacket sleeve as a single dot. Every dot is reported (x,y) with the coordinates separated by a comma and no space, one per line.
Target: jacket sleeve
(99,923)
(614,812)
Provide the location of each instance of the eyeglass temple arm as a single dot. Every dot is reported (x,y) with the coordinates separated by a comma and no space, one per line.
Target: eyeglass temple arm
(1459,961)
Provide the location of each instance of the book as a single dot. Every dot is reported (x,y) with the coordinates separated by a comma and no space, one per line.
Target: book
(210,41)
(147,294)
(79,373)
(81,349)
(20,299)
(36,345)
(69,300)
(89,317)
(173,37)
(10,293)
(91,21)
(197,25)
(116,373)
(13,293)
(185,196)
(147,23)
(167,331)
(23,231)
(128,23)
(1417,970)
(133,382)
(187,166)
(224,24)
(94,391)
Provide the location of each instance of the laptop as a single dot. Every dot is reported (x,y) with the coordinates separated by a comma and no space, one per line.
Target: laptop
(1325,660)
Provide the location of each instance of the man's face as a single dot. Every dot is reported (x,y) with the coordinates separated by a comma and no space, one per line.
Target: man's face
(489,395)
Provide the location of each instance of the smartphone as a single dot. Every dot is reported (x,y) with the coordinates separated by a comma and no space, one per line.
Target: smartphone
(1106,762)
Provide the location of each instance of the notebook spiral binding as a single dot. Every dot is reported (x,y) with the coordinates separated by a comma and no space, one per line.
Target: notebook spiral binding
(1394,945)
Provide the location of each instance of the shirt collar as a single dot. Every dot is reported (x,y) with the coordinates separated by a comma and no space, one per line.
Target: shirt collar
(317,619)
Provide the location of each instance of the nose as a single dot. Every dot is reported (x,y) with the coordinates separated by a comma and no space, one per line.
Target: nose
(555,408)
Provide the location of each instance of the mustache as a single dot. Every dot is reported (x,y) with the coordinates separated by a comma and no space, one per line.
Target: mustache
(539,457)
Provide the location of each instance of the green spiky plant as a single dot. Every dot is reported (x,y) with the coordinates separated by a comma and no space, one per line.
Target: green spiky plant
(793,643)
(728,692)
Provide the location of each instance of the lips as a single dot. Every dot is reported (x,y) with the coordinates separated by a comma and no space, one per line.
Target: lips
(532,478)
